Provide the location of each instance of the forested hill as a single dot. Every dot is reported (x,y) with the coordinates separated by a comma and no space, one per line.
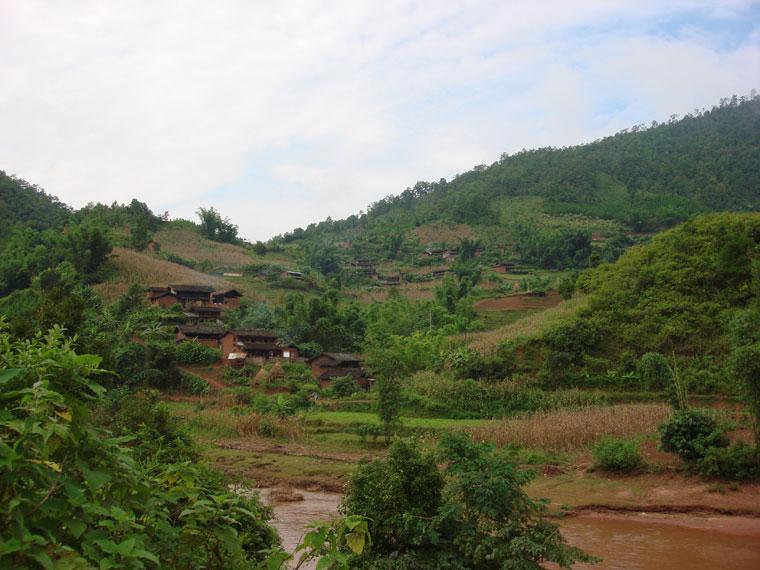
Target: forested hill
(22,202)
(646,178)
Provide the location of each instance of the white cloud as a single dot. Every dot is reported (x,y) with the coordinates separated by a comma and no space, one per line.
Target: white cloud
(299,110)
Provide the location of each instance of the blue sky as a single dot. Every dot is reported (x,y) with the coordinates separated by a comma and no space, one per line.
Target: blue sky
(284,113)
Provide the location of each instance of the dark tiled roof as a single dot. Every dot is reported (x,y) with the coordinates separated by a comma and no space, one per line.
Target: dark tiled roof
(202,331)
(338,372)
(228,293)
(207,309)
(338,357)
(255,332)
(260,346)
(180,288)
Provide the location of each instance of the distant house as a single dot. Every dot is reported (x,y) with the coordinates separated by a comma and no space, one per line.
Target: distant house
(329,365)
(438,273)
(503,266)
(389,279)
(230,298)
(361,266)
(261,345)
(292,274)
(194,296)
(201,314)
(161,297)
(215,337)
(433,252)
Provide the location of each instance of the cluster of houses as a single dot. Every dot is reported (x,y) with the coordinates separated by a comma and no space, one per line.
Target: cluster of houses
(203,306)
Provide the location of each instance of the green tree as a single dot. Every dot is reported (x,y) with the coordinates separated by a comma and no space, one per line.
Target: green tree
(389,404)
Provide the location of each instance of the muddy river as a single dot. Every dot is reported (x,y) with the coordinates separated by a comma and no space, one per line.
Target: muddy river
(623,541)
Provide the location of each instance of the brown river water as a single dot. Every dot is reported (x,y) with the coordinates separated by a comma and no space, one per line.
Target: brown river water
(623,541)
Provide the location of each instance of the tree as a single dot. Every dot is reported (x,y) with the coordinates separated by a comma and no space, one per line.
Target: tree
(745,366)
(216,228)
(473,514)
(389,404)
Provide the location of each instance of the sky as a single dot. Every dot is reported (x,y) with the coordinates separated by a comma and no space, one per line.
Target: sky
(283,113)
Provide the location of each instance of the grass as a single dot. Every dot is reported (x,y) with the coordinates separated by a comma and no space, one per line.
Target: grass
(529,326)
(345,418)
(568,430)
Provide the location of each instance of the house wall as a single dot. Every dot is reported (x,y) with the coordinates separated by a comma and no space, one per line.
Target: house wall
(165,301)
(228,344)
(212,342)
(317,365)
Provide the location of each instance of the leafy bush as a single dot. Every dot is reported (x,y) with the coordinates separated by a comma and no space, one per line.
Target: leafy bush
(690,434)
(193,352)
(618,455)
(343,386)
(78,498)
(472,514)
(194,384)
(739,462)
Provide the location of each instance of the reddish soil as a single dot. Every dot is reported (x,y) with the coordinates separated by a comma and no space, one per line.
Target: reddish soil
(520,302)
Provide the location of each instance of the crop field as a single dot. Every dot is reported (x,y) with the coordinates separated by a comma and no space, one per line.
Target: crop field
(189,244)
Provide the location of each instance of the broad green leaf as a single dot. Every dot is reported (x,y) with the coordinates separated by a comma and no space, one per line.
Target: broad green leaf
(76,527)
(8,374)
(355,541)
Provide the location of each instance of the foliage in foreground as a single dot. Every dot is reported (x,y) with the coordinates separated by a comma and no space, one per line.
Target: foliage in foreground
(471,514)
(74,496)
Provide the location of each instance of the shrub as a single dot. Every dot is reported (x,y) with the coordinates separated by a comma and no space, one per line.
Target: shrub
(194,384)
(690,434)
(618,455)
(193,352)
(234,376)
(739,462)
(343,386)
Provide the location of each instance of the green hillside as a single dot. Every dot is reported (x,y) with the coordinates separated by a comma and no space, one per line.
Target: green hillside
(27,204)
(692,294)
(547,205)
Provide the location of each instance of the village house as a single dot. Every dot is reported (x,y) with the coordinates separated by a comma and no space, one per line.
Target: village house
(193,296)
(503,266)
(330,365)
(438,273)
(291,274)
(201,314)
(361,266)
(389,279)
(228,298)
(261,345)
(214,337)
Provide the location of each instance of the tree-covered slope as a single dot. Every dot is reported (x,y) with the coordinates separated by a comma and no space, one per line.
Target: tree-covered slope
(25,203)
(646,177)
(692,294)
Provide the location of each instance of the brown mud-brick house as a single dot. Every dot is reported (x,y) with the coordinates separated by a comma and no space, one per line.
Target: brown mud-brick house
(261,345)
(329,365)
(361,266)
(161,297)
(215,337)
(504,266)
(389,279)
(438,273)
(229,298)
(201,314)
